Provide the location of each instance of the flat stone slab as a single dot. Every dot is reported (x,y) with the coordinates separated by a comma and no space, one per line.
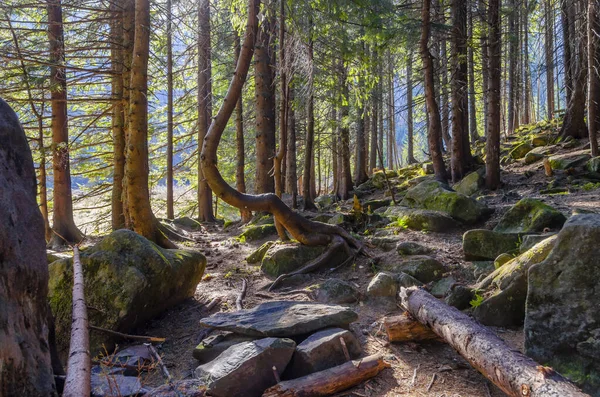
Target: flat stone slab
(246,369)
(282,319)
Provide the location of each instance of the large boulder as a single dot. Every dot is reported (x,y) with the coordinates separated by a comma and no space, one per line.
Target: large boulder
(212,346)
(282,319)
(257,232)
(178,388)
(488,244)
(378,179)
(434,195)
(325,200)
(562,320)
(412,248)
(505,304)
(520,150)
(593,165)
(322,350)
(417,219)
(246,369)
(335,291)
(128,279)
(384,285)
(471,183)
(530,216)
(423,268)
(25,368)
(286,257)
(566,161)
(258,254)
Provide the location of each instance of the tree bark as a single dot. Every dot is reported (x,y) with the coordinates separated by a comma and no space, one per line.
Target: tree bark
(471,65)
(283,106)
(330,381)
(374,113)
(142,219)
(527,74)
(309,151)
(445,103)
(514,373)
(492,158)
(64,227)
(170,205)
(485,72)
(360,165)
(549,54)
(205,202)
(118,117)
(593,105)
(460,137)
(567,59)
(265,108)
(512,67)
(435,125)
(345,184)
(128,21)
(300,228)
(410,156)
(404,328)
(240,177)
(291,170)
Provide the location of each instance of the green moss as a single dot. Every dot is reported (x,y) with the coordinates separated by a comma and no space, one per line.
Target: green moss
(258,255)
(258,232)
(530,215)
(284,258)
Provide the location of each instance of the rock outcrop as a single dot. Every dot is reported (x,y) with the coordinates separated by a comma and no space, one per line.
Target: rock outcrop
(530,216)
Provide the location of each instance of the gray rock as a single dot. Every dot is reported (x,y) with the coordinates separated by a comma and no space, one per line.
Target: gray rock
(423,268)
(412,248)
(593,165)
(530,216)
(520,151)
(285,258)
(179,388)
(385,243)
(482,268)
(108,385)
(133,356)
(562,314)
(282,319)
(407,281)
(471,183)
(384,284)
(372,205)
(128,279)
(435,196)
(339,219)
(188,223)
(442,287)
(325,200)
(378,179)
(488,244)
(566,161)
(502,259)
(460,297)
(322,350)
(257,232)
(532,239)
(246,369)
(212,346)
(336,291)
(53,256)
(24,350)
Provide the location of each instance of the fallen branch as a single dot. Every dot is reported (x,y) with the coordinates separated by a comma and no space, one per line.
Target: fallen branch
(510,370)
(126,336)
(240,299)
(403,328)
(213,303)
(431,382)
(159,362)
(78,381)
(330,381)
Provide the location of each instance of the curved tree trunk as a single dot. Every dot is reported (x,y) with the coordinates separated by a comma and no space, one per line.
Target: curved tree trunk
(142,219)
(435,125)
(64,227)
(305,231)
(205,204)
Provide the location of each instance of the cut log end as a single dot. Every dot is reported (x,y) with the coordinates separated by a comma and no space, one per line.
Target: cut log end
(404,328)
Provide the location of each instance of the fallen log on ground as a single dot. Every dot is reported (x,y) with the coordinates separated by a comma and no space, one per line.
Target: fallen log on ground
(330,381)
(78,381)
(404,328)
(513,372)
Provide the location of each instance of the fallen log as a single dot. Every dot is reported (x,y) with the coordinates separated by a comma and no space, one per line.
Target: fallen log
(513,372)
(404,328)
(78,381)
(330,381)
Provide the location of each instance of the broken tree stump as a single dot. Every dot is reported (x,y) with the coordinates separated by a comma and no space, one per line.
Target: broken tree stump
(404,328)
(510,370)
(330,381)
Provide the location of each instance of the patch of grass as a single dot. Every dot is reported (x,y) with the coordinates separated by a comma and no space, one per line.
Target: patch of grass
(590,186)
(477,301)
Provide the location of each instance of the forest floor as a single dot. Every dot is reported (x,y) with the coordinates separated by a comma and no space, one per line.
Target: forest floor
(413,365)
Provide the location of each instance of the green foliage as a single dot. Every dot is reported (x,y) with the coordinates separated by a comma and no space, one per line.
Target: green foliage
(477,301)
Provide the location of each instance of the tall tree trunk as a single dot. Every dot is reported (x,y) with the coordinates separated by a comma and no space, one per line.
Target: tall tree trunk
(527,73)
(593,105)
(291,170)
(445,103)
(265,108)
(64,227)
(471,65)
(360,165)
(118,116)
(435,124)
(170,205)
(345,184)
(410,156)
(512,67)
(142,219)
(205,202)
(460,137)
(283,105)
(549,53)
(374,113)
(240,178)
(309,152)
(492,158)
(334,151)
(128,22)
(485,72)
(391,132)
(574,120)
(566,33)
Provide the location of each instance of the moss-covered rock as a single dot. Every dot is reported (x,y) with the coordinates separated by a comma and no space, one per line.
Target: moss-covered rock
(423,268)
(488,244)
(543,140)
(284,258)
(530,216)
(566,161)
(188,223)
(335,291)
(128,280)
(322,218)
(502,259)
(442,287)
(378,178)
(533,157)
(257,232)
(325,200)
(471,183)
(593,165)
(412,248)
(520,151)
(415,219)
(339,219)
(372,205)
(433,195)
(384,284)
(258,255)
(52,256)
